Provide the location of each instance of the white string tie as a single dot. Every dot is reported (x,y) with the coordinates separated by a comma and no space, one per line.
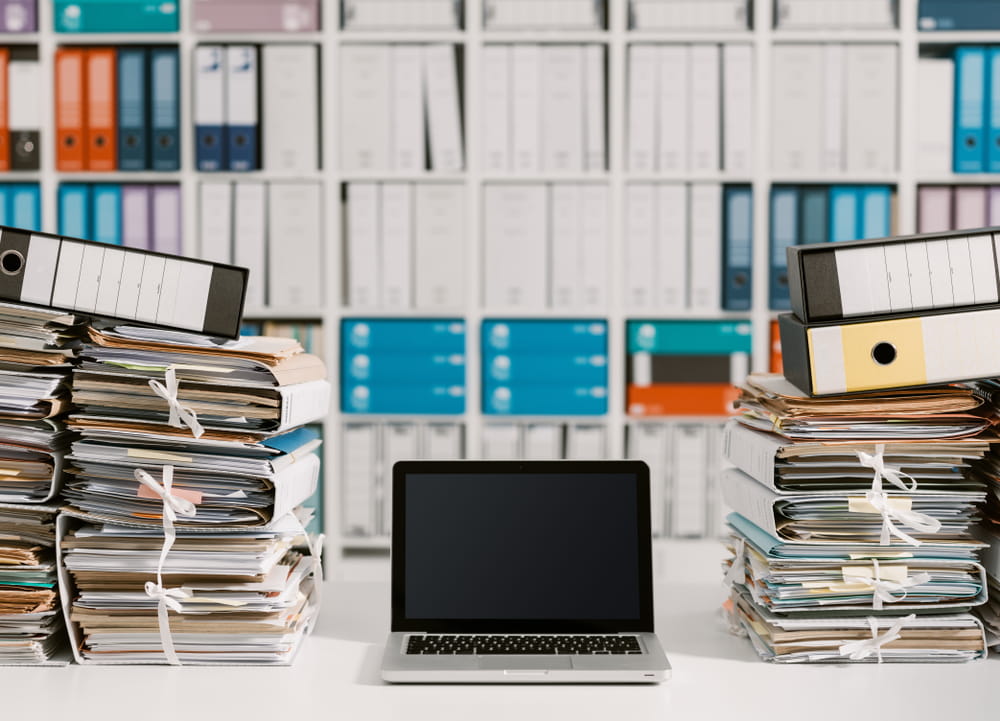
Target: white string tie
(920,522)
(166,598)
(860,650)
(884,590)
(181,416)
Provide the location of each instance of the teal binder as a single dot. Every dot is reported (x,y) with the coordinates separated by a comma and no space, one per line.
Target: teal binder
(25,206)
(116,16)
(107,216)
(74,210)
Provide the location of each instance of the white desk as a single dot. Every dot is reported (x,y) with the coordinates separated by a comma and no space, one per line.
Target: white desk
(336,676)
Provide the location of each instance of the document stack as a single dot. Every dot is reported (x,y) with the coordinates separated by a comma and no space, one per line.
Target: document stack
(857,498)
(990,530)
(184,509)
(31,627)
(37,349)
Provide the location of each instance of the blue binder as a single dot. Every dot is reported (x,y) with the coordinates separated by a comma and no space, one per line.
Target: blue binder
(444,335)
(845,213)
(971,84)
(813,214)
(107,215)
(210,138)
(545,400)
(5,204)
(402,367)
(74,210)
(876,204)
(993,139)
(164,109)
(959,15)
(132,109)
(737,274)
(784,227)
(410,399)
(534,368)
(570,336)
(25,206)
(242,137)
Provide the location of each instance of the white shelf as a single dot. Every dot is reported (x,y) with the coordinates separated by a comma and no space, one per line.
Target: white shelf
(957,37)
(544,36)
(616,38)
(961,179)
(122,176)
(836,36)
(693,36)
(258,38)
(115,38)
(289,314)
(372,37)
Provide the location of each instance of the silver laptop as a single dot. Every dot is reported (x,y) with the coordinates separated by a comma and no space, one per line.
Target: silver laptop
(510,571)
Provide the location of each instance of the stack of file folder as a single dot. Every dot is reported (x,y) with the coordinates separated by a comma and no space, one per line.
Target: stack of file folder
(37,352)
(196,446)
(819,546)
(865,487)
(31,625)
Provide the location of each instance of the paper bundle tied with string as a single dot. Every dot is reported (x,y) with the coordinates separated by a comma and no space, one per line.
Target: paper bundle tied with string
(195,486)
(865,504)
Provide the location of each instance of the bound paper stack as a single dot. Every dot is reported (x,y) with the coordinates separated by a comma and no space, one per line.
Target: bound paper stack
(989,472)
(31,627)
(37,352)
(179,540)
(852,507)
(855,536)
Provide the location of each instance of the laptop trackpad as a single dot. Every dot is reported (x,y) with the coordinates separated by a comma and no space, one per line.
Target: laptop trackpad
(516,663)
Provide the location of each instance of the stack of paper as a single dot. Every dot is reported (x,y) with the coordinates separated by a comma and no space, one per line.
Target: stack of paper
(37,353)
(852,512)
(31,627)
(184,507)
(241,597)
(37,349)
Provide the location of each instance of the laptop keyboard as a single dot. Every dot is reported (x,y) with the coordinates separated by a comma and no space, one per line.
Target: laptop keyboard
(484,645)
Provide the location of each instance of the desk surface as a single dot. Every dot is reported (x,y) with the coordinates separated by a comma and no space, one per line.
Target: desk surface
(336,675)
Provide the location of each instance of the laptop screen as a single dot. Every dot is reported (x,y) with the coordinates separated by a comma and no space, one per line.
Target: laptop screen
(522,546)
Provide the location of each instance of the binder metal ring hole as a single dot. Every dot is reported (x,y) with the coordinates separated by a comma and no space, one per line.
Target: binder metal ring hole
(884,353)
(99,141)
(11,262)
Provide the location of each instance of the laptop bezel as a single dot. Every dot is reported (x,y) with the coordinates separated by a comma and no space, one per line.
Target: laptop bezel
(399,623)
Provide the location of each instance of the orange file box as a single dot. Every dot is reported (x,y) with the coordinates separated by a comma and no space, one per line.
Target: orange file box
(681,399)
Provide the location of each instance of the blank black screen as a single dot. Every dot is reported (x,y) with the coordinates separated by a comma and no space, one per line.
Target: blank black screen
(521,546)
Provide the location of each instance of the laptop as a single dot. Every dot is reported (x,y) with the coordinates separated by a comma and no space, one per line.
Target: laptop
(511,571)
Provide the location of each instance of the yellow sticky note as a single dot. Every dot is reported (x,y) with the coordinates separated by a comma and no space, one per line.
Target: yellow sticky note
(860,504)
(151,455)
(896,574)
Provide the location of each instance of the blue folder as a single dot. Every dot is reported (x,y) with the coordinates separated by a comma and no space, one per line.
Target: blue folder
(74,210)
(132,107)
(107,215)
(784,232)
(971,84)
(164,109)
(737,281)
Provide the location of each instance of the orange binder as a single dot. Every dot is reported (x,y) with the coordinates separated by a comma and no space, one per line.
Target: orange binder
(101,125)
(776,364)
(681,399)
(4,125)
(70,93)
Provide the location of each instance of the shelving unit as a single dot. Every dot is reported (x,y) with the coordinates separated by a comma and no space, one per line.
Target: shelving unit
(616,39)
